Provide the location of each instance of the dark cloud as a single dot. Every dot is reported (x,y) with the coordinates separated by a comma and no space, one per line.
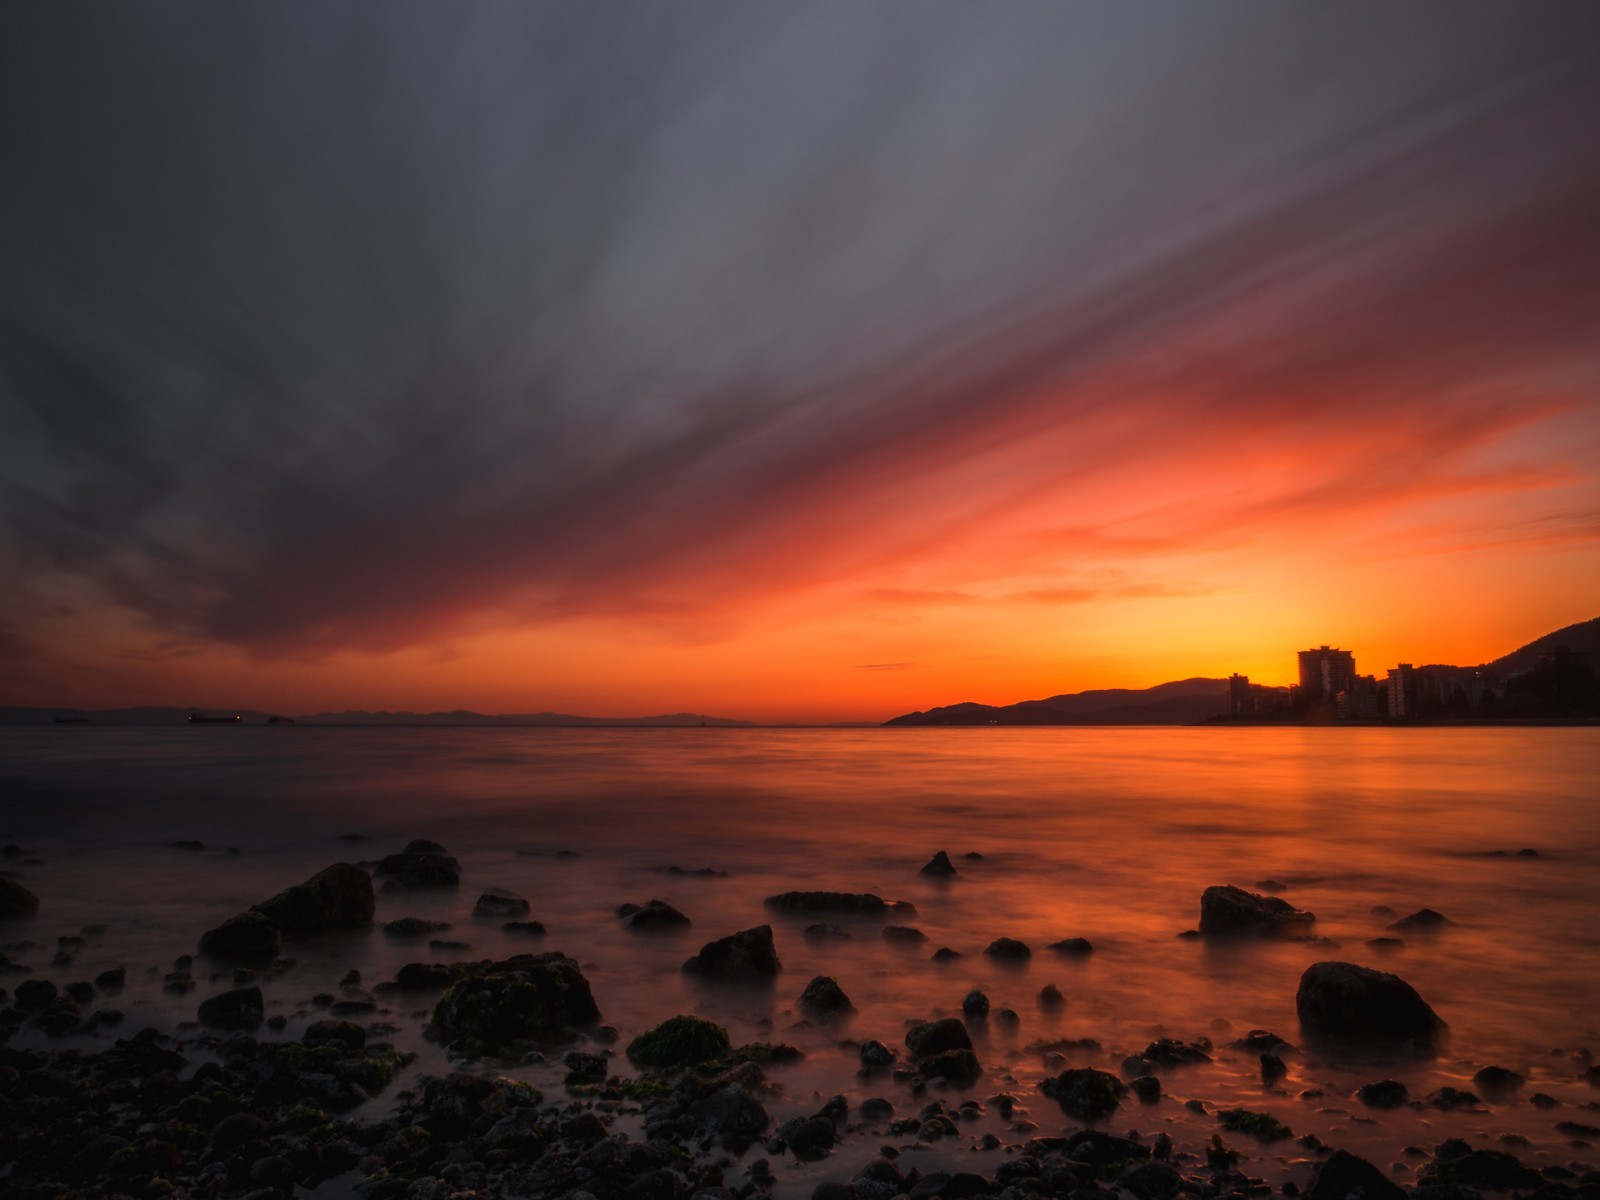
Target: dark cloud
(357,325)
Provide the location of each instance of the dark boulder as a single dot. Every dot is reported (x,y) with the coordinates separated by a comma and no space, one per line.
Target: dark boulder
(1008,949)
(679,1043)
(824,999)
(1455,1163)
(653,916)
(935,1037)
(1386,1093)
(336,897)
(944,954)
(953,1066)
(424,846)
(1343,1176)
(907,934)
(34,995)
(250,937)
(495,1006)
(16,900)
(855,904)
(748,955)
(875,1054)
(1167,1053)
(732,1115)
(336,1033)
(524,928)
(419,869)
(497,902)
(111,979)
(809,1138)
(939,865)
(822,931)
(1086,1093)
(1498,1083)
(1340,1002)
(1233,912)
(975,1004)
(413,927)
(1421,921)
(1051,999)
(241,1008)
(1101,1150)
(1074,946)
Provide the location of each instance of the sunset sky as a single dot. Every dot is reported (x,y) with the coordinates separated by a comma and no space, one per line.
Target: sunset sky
(787,362)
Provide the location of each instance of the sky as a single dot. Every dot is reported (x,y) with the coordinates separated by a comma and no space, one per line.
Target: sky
(787,362)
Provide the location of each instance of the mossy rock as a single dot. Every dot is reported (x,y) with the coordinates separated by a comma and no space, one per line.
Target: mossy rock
(1260,1125)
(680,1042)
(531,998)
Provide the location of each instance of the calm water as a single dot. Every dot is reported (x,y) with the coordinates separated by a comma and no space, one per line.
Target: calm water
(1106,834)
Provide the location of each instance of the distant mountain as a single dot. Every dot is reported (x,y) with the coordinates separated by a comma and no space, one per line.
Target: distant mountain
(178,716)
(1584,637)
(1182,702)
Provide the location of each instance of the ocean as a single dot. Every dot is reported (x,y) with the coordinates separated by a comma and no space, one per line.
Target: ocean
(1109,834)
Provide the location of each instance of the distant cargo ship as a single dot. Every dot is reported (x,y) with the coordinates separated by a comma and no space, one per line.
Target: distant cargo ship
(201,719)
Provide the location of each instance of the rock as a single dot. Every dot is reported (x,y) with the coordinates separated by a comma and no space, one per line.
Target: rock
(1343,1176)
(528,998)
(1343,1002)
(654,916)
(1146,1087)
(748,955)
(1051,999)
(336,897)
(424,846)
(809,1138)
(954,1066)
(1086,1093)
(824,999)
(944,954)
(111,979)
(249,937)
(1389,1093)
(1422,920)
(1260,1125)
(1233,912)
(1273,1068)
(876,1054)
(419,869)
(733,1115)
(823,932)
(1009,949)
(908,934)
(1102,1150)
(855,904)
(1168,1053)
(1457,1164)
(975,1004)
(1449,1099)
(34,995)
(1498,1083)
(497,902)
(525,928)
(413,927)
(16,900)
(1075,946)
(1152,1181)
(935,1037)
(939,865)
(241,1008)
(340,1033)
(680,1042)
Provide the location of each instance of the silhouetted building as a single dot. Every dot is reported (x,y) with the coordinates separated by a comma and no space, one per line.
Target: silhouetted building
(1241,701)
(1405,692)
(1361,700)
(1324,673)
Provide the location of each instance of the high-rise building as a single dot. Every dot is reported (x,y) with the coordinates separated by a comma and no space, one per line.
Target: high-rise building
(1324,673)
(1241,700)
(1404,691)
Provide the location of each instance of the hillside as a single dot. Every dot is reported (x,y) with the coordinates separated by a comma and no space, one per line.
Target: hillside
(1181,702)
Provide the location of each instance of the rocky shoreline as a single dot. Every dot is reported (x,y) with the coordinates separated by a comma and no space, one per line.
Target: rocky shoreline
(229,1106)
